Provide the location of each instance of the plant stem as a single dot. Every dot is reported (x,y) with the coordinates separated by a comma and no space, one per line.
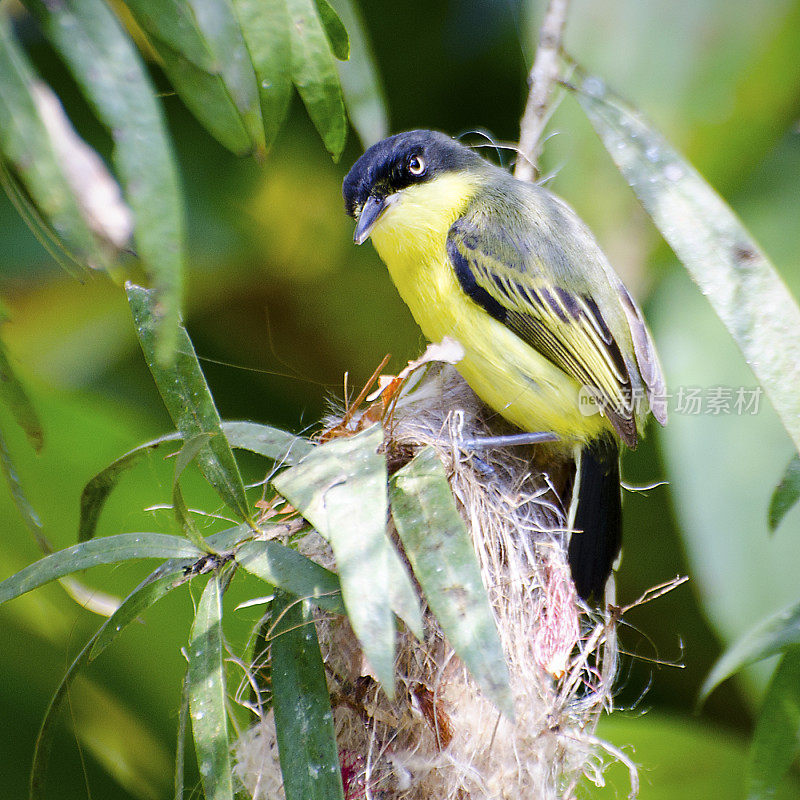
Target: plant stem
(542,79)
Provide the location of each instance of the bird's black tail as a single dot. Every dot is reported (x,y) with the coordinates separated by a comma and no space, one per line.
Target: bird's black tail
(597,516)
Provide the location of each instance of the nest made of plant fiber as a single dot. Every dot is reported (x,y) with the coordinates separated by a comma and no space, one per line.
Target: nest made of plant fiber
(441,737)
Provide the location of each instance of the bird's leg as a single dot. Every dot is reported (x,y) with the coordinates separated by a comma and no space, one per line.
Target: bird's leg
(509,440)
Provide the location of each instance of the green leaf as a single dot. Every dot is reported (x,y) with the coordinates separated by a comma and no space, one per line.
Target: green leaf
(303,720)
(188,400)
(106,65)
(776,742)
(291,571)
(264,440)
(180,747)
(207,690)
(204,55)
(267,441)
(315,76)
(146,594)
(207,97)
(14,397)
(265,26)
(174,22)
(108,550)
(440,550)
(786,494)
(770,637)
(44,739)
(26,145)
(341,489)
(334,30)
(155,586)
(361,85)
(42,230)
(739,281)
(190,450)
(26,510)
(97,490)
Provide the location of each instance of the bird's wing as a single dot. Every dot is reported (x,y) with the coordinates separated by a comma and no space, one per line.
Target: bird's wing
(565,326)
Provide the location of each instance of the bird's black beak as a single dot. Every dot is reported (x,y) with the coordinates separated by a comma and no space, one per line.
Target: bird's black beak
(371,212)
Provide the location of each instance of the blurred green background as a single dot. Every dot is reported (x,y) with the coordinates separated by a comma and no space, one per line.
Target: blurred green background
(280,304)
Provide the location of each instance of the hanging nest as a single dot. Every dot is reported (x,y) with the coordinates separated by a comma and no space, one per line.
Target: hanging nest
(441,738)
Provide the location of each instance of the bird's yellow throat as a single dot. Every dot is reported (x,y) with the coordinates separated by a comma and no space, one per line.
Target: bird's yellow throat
(411,239)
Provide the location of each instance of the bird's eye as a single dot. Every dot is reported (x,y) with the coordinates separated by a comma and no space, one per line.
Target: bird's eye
(417,165)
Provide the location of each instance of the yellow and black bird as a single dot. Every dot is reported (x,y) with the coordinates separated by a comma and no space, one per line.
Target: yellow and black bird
(553,341)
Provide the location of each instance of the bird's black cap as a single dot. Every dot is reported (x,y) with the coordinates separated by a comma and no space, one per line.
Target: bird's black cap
(387,166)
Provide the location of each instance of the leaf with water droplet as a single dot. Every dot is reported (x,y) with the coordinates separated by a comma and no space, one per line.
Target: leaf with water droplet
(265,25)
(439,548)
(111,74)
(742,285)
(341,489)
(207,695)
(108,550)
(187,397)
(303,722)
(315,76)
(291,571)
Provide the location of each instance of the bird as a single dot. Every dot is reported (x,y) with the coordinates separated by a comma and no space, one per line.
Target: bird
(552,339)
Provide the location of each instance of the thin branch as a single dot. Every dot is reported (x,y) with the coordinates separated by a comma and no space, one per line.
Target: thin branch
(543,77)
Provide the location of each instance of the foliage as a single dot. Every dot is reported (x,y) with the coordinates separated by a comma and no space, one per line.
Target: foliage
(727,100)
(340,487)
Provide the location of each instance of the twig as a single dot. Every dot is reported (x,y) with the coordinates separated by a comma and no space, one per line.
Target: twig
(655,591)
(543,77)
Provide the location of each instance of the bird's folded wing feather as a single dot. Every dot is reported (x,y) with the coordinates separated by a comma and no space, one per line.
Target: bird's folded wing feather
(563,325)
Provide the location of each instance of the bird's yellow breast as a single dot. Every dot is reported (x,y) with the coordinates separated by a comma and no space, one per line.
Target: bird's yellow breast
(505,372)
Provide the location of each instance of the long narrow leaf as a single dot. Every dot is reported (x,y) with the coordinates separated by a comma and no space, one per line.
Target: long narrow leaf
(776,742)
(771,636)
(108,68)
(188,453)
(786,493)
(315,76)
(146,594)
(739,281)
(207,692)
(15,398)
(265,26)
(361,84)
(44,739)
(186,395)
(207,97)
(108,550)
(264,440)
(341,488)
(438,546)
(25,509)
(42,229)
(267,441)
(170,575)
(303,719)
(180,746)
(155,586)
(334,30)
(26,146)
(291,571)
(203,53)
